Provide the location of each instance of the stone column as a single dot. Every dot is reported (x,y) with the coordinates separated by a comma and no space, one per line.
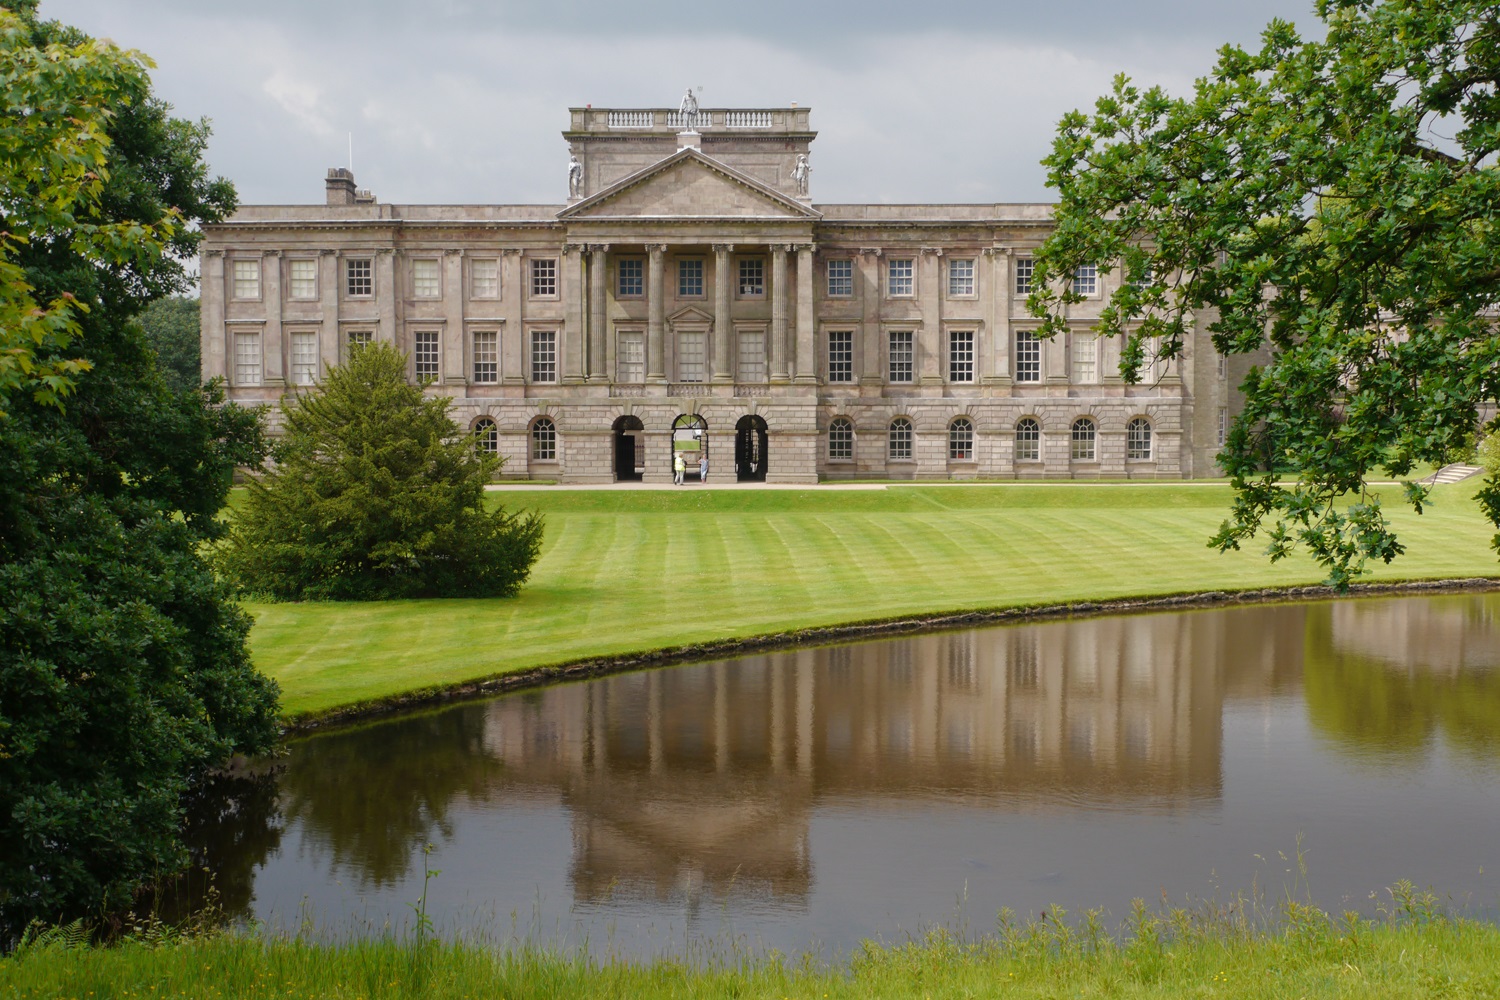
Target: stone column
(872,336)
(929,300)
(598,256)
(1002,286)
(656,366)
(807,363)
(212,341)
(455,348)
(385,298)
(275,342)
(779,371)
(512,350)
(328,300)
(572,334)
(723,335)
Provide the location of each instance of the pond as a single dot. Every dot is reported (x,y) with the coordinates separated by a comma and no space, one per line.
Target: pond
(809,799)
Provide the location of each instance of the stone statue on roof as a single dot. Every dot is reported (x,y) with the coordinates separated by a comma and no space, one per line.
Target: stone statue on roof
(689,109)
(800,173)
(575,177)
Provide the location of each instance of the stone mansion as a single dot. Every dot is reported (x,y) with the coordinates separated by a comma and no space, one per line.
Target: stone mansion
(690,296)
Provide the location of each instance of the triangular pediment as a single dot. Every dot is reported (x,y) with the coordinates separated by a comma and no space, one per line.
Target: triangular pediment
(690,316)
(689,185)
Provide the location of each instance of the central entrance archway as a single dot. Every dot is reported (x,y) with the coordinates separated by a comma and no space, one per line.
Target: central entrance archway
(630,450)
(750,449)
(690,440)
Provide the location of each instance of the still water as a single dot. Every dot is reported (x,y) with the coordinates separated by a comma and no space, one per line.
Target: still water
(810,799)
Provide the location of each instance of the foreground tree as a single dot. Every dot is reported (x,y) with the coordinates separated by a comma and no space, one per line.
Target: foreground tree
(171,326)
(376,494)
(1332,204)
(124,673)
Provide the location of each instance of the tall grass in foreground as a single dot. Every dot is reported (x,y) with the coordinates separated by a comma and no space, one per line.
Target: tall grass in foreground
(1410,950)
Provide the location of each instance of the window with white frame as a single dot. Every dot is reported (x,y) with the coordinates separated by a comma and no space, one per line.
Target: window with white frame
(1086,279)
(247,358)
(1223,433)
(961,440)
(752,277)
(630,278)
(1083,440)
(1138,439)
(543,277)
(961,277)
(425,283)
(302,275)
(1223,362)
(961,356)
(355,339)
(899,357)
(1143,277)
(543,440)
(304,357)
(630,356)
(752,356)
(690,278)
(691,355)
(1028,440)
(841,439)
(841,355)
(486,356)
(900,279)
(544,355)
(1025,267)
(1028,356)
(484,278)
(840,278)
(359,277)
(1085,358)
(898,445)
(426,355)
(486,436)
(247,279)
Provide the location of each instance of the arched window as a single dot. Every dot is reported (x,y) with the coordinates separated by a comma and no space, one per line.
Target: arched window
(1138,438)
(961,440)
(1083,440)
(900,440)
(486,436)
(841,439)
(1028,440)
(543,440)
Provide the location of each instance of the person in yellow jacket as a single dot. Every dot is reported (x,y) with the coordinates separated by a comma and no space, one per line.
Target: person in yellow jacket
(678,468)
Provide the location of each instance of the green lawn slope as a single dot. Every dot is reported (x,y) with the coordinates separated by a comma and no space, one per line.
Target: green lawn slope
(630,571)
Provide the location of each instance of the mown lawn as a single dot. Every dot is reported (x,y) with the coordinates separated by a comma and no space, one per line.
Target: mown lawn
(628,571)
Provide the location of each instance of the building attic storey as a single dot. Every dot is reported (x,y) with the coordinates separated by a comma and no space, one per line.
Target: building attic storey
(688,295)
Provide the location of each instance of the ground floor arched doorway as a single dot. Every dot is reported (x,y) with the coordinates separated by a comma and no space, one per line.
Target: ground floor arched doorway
(750,449)
(690,440)
(630,450)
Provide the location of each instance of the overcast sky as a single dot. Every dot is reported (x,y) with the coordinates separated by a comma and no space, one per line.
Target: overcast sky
(455,102)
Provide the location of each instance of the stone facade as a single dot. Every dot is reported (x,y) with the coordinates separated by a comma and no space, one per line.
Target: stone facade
(690,281)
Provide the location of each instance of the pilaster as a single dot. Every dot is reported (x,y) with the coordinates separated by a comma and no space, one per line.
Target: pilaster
(778,292)
(212,339)
(807,372)
(512,352)
(598,269)
(872,337)
(929,302)
(386,298)
(274,347)
(455,367)
(656,266)
(328,303)
(722,329)
(571,289)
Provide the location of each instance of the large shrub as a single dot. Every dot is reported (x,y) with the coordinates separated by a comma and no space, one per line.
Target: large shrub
(375,493)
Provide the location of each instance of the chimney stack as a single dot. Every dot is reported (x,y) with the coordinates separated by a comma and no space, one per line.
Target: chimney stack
(340,185)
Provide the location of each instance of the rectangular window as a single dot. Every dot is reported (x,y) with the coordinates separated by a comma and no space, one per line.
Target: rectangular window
(1085,358)
(359,277)
(630,356)
(961,277)
(690,356)
(690,278)
(357,339)
(840,278)
(752,359)
(1223,434)
(630,278)
(1086,280)
(900,356)
(426,355)
(247,279)
(304,357)
(484,279)
(1025,267)
(247,359)
(486,356)
(543,277)
(961,356)
(304,279)
(1223,360)
(841,356)
(544,355)
(899,277)
(424,279)
(752,277)
(1028,357)
(841,440)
